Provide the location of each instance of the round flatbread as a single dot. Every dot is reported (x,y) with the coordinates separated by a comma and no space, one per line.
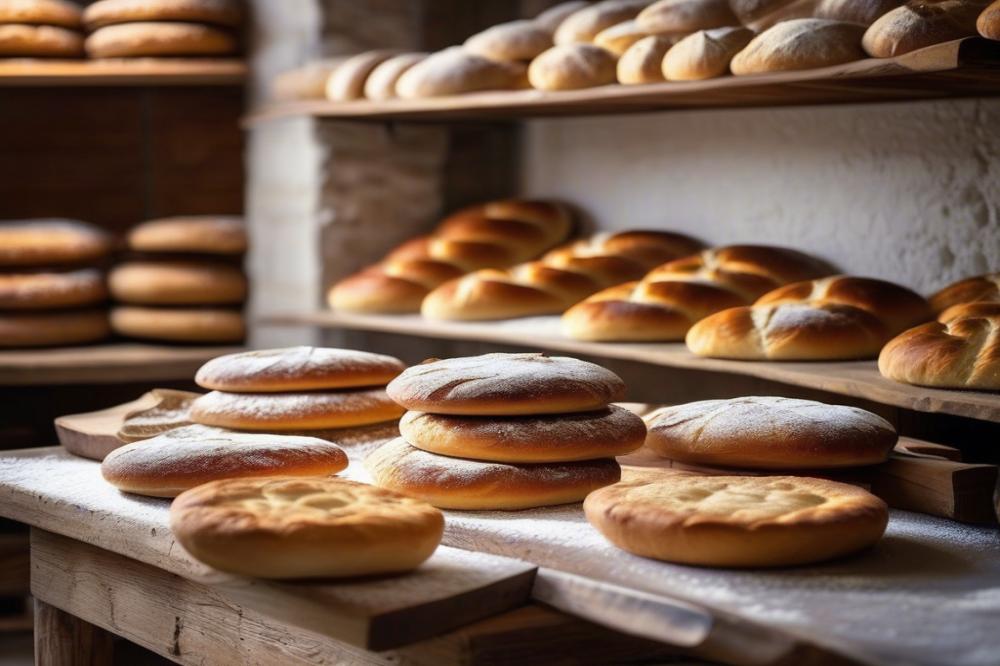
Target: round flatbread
(130,40)
(50,329)
(41,12)
(110,12)
(50,291)
(39,41)
(294,411)
(177,283)
(208,234)
(51,242)
(204,325)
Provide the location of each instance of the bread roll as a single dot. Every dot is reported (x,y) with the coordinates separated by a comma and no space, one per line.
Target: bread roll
(618,38)
(682,17)
(391,287)
(962,310)
(40,291)
(272,412)
(202,234)
(920,23)
(183,458)
(455,71)
(644,247)
(39,41)
(864,12)
(51,242)
(347,81)
(769,433)
(304,528)
(454,483)
(988,23)
(381,83)
(759,15)
(800,44)
(604,433)
(41,12)
(131,40)
(163,410)
(970,290)
(572,66)
(705,54)
(552,17)
(738,521)
(506,385)
(177,283)
(205,325)
(514,40)
(297,369)
(643,62)
(583,26)
(962,353)
(108,12)
(47,329)
(305,82)
(789,332)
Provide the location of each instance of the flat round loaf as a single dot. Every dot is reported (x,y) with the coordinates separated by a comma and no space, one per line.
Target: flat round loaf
(555,15)
(203,234)
(769,433)
(571,67)
(304,528)
(583,25)
(49,242)
(921,23)
(39,291)
(605,433)
(455,71)
(963,353)
(618,38)
(109,12)
(514,40)
(789,332)
(177,283)
(183,458)
(988,23)
(41,12)
(207,325)
(454,483)
(864,12)
(643,61)
(982,288)
(738,521)
(18,40)
(297,369)
(800,44)
(978,309)
(705,54)
(381,83)
(506,384)
(347,82)
(47,329)
(897,307)
(130,40)
(681,17)
(294,411)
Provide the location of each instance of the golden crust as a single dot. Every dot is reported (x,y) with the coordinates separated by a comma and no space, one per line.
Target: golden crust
(737,521)
(856,11)
(585,24)
(206,234)
(919,23)
(297,369)
(18,40)
(455,71)
(495,294)
(50,242)
(109,12)
(981,288)
(208,325)
(686,16)
(514,40)
(140,39)
(177,283)
(454,483)
(44,12)
(304,528)
(46,329)
(976,309)
(802,43)
(526,439)
(988,23)
(643,61)
(35,291)
(571,67)
(705,54)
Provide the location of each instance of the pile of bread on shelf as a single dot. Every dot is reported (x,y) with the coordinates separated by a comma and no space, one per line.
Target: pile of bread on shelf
(119,28)
(743,302)
(179,280)
(579,44)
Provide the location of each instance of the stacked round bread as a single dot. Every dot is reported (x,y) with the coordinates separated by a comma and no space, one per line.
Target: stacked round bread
(184,282)
(560,279)
(296,389)
(834,318)
(671,298)
(52,286)
(158,28)
(506,431)
(491,235)
(40,29)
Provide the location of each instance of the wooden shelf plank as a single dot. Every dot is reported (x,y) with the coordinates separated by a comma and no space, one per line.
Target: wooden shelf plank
(961,68)
(123,72)
(104,364)
(858,379)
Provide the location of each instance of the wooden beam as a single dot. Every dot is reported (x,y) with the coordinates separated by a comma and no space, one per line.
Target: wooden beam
(62,639)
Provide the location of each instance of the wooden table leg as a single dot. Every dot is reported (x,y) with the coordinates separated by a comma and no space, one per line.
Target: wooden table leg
(62,639)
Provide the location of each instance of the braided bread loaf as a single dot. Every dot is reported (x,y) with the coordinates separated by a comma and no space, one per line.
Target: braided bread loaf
(494,234)
(672,297)
(561,278)
(833,318)
(982,288)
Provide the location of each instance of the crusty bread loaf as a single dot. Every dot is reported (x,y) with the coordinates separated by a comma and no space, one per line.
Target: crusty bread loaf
(962,310)
(800,44)
(618,38)
(571,67)
(39,41)
(51,242)
(347,81)
(506,385)
(381,83)
(304,528)
(789,332)
(203,234)
(305,82)
(207,325)
(682,17)
(152,38)
(643,61)
(552,17)
(455,483)
(970,290)
(47,329)
(759,15)
(920,23)
(988,23)
(583,25)
(514,40)
(177,282)
(962,353)
(705,54)
(646,247)
(864,12)
(297,369)
(391,287)
(48,290)
(769,433)
(108,12)
(737,521)
(61,13)
(455,71)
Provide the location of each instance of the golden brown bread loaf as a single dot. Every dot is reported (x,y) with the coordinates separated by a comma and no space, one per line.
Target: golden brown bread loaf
(864,12)
(977,309)
(759,15)
(737,521)
(47,329)
(455,483)
(682,17)
(552,17)
(584,25)
(150,38)
(381,83)
(962,353)
(39,41)
(177,283)
(455,71)
(202,234)
(506,385)
(769,433)
(108,12)
(305,82)
(988,23)
(207,325)
(705,54)
(800,44)
(514,40)
(970,290)
(618,38)
(920,23)
(571,67)
(304,528)
(41,12)
(643,61)
(48,290)
(51,242)
(347,82)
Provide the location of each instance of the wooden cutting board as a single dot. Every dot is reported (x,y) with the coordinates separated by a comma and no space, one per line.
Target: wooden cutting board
(93,434)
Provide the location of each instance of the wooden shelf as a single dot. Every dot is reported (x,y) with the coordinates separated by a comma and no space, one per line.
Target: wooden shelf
(104,364)
(961,68)
(858,379)
(124,72)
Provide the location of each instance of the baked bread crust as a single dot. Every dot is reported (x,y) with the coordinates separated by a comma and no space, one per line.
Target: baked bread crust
(513,40)
(51,242)
(110,12)
(294,411)
(920,23)
(705,54)
(796,44)
(643,61)
(455,71)
(347,81)
(177,282)
(620,37)
(208,325)
(584,25)
(42,291)
(41,12)
(682,17)
(205,234)
(149,38)
(977,309)
(981,288)
(553,16)
(47,329)
(381,83)
(572,67)
(988,23)
(864,12)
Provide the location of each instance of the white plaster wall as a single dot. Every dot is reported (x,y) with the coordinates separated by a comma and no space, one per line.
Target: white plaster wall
(908,192)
